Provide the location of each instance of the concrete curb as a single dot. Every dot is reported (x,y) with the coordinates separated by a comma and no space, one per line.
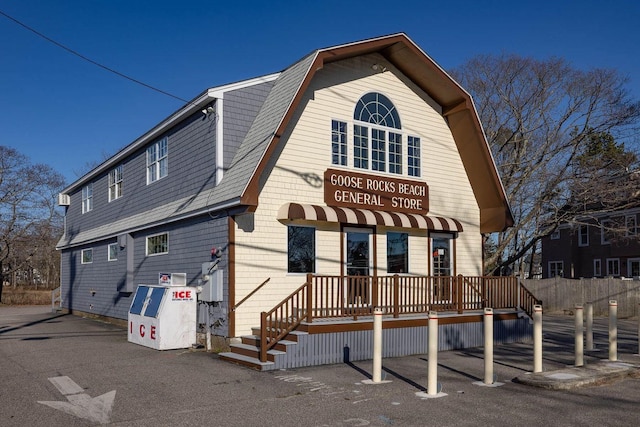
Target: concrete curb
(604,372)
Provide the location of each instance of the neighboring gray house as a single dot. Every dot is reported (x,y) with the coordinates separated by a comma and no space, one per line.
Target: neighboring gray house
(359,169)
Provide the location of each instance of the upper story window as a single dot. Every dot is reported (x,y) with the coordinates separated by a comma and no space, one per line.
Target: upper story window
(377,143)
(631,225)
(115,183)
(157,160)
(605,231)
(555,235)
(87,198)
(413,156)
(376,134)
(583,235)
(338,143)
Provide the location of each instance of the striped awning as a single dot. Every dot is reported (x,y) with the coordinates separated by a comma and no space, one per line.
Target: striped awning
(293,211)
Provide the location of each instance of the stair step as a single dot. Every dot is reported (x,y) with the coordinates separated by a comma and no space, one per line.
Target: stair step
(250,362)
(254,351)
(255,341)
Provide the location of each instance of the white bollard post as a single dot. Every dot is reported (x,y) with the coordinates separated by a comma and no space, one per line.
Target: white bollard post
(537,338)
(377,345)
(579,350)
(589,319)
(613,330)
(432,372)
(488,346)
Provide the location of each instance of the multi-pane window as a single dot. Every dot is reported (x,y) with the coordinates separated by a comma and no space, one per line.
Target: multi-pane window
(377,139)
(597,267)
(113,252)
(158,244)
(157,160)
(395,153)
(301,249)
(338,143)
(605,231)
(115,183)
(613,267)
(382,122)
(378,150)
(583,235)
(360,147)
(413,156)
(397,252)
(87,256)
(87,198)
(556,269)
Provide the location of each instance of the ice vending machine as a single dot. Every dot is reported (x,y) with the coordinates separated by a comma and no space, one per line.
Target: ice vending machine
(163,317)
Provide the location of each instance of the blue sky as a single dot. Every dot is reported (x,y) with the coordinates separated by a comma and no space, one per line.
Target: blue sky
(65,112)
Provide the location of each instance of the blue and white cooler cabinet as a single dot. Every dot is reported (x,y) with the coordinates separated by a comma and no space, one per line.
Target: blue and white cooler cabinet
(163,317)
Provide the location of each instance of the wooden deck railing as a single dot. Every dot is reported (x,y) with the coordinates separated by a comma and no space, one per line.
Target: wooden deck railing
(324,297)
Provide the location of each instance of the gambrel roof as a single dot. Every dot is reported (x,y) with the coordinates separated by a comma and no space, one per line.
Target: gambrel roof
(241,184)
(245,172)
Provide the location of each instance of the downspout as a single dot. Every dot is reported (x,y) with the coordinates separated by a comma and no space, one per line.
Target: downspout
(219,139)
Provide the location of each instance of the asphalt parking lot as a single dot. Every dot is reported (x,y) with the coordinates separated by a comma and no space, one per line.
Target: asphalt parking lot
(64,370)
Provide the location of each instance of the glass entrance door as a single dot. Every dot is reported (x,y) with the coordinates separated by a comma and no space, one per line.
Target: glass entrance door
(358,266)
(441,256)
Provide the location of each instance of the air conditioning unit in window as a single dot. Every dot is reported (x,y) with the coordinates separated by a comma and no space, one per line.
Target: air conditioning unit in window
(64,199)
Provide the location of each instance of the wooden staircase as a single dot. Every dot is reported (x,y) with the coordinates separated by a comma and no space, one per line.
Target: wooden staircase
(247,351)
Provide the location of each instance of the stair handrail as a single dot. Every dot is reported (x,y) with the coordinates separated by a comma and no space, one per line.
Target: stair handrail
(250,294)
(527,300)
(273,330)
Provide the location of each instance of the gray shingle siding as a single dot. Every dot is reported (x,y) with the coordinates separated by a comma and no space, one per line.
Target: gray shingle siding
(240,109)
(191,168)
(190,242)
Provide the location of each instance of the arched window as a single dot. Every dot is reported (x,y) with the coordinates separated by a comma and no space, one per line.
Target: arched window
(377,139)
(377,109)
(376,129)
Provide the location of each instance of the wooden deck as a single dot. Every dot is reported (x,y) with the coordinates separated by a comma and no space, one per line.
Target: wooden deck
(333,305)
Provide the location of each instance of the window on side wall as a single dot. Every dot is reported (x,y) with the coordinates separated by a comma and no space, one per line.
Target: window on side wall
(631,226)
(301,249)
(597,268)
(157,160)
(87,198)
(87,256)
(605,231)
(556,234)
(397,252)
(583,235)
(613,267)
(556,268)
(115,183)
(158,244)
(113,252)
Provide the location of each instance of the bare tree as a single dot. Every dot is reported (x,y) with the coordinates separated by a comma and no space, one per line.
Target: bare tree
(27,201)
(537,115)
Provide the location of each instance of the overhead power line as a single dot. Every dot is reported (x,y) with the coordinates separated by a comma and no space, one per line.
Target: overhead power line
(104,67)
